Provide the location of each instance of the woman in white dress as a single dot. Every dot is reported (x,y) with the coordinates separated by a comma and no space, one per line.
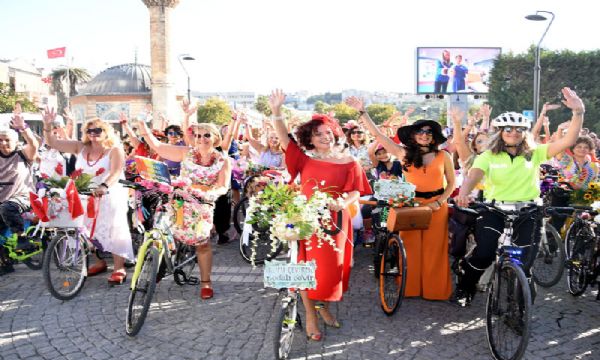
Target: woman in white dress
(100,154)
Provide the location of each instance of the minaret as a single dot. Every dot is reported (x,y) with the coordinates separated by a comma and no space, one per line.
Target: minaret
(163,89)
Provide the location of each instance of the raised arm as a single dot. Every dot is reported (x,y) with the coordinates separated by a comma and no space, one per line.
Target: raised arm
(573,102)
(165,151)
(70,127)
(463,150)
(275,102)
(18,123)
(67,146)
(133,139)
(365,119)
(252,141)
(485,111)
(232,130)
(188,111)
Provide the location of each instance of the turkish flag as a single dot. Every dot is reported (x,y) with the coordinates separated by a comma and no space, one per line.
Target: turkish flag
(57,53)
(73,200)
(39,206)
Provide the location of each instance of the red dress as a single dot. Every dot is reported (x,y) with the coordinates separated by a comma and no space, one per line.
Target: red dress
(333,268)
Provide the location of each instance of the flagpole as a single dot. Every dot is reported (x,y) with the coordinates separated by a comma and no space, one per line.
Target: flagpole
(68,83)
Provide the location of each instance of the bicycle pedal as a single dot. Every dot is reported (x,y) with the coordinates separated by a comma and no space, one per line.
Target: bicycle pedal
(192,280)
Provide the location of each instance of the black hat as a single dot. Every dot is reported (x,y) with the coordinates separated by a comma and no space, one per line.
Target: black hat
(405,132)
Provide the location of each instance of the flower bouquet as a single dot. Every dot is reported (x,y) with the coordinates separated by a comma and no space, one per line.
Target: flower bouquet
(289,216)
(587,196)
(59,180)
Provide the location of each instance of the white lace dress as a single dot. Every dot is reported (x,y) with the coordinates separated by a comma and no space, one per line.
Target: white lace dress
(112,230)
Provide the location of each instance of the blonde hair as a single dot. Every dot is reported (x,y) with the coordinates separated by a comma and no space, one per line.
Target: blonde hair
(496,145)
(111,138)
(211,128)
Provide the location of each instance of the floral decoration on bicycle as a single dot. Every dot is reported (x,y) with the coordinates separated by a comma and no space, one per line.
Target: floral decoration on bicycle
(588,196)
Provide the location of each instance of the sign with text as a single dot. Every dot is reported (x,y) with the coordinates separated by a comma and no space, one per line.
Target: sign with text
(279,274)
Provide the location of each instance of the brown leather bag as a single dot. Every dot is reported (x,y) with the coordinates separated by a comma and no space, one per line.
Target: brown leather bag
(409,218)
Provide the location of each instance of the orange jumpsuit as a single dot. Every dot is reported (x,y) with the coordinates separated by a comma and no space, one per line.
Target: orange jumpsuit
(428,269)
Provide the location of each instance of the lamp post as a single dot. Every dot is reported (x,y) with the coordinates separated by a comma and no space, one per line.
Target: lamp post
(536,67)
(181,58)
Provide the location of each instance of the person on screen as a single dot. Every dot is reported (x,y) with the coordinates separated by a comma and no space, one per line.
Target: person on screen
(441,75)
(460,74)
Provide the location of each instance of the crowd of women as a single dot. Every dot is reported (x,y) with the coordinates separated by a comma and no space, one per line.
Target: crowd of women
(495,158)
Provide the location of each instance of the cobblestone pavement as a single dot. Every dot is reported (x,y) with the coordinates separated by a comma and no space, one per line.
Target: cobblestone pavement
(238,322)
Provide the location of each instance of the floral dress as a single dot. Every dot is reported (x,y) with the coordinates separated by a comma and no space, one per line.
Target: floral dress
(193,220)
(578,175)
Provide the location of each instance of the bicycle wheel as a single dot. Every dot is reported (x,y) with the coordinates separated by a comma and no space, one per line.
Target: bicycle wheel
(184,254)
(239,214)
(141,293)
(380,239)
(65,265)
(34,261)
(576,247)
(392,274)
(508,313)
(286,323)
(548,266)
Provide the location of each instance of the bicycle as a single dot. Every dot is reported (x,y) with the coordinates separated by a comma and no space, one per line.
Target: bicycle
(389,260)
(158,257)
(509,299)
(582,246)
(288,318)
(36,236)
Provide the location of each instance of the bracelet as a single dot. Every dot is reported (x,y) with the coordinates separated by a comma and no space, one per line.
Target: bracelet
(361,113)
(25,127)
(277,118)
(104,184)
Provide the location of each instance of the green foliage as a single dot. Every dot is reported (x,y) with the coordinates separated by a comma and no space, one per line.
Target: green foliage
(82,182)
(321,107)
(215,111)
(8,99)
(380,112)
(329,98)
(343,112)
(511,83)
(76,76)
(262,105)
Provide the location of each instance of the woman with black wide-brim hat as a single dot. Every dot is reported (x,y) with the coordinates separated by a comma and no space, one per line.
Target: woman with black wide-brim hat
(432,172)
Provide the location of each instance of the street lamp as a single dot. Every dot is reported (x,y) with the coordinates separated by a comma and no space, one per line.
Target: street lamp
(181,58)
(536,67)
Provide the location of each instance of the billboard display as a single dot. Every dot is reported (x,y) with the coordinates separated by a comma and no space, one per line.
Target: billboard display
(452,70)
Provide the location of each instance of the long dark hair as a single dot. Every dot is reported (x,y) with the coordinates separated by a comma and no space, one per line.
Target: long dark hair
(413,155)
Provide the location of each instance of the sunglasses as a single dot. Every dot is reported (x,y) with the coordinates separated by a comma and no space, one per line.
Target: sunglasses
(173,133)
(199,136)
(357,132)
(424,132)
(94,131)
(518,129)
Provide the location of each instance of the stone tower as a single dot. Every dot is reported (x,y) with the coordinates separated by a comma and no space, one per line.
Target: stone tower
(163,88)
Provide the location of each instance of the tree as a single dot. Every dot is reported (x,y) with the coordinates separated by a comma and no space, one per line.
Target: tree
(380,112)
(77,76)
(216,111)
(343,112)
(8,99)
(330,98)
(262,105)
(511,83)
(321,107)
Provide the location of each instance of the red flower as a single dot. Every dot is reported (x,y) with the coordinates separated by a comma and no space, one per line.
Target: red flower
(100,171)
(59,169)
(44,176)
(75,174)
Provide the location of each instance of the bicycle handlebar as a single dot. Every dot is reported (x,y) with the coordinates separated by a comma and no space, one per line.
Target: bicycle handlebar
(6,183)
(132,185)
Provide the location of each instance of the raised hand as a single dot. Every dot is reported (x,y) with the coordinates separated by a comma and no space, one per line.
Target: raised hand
(548,107)
(355,103)
(485,110)
(409,111)
(276,100)
(17,120)
(122,118)
(456,114)
(572,101)
(187,109)
(48,117)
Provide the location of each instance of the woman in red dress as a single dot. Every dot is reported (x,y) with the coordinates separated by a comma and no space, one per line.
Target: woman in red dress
(325,167)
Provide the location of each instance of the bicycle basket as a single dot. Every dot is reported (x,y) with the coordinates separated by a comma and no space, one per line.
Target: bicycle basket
(59,215)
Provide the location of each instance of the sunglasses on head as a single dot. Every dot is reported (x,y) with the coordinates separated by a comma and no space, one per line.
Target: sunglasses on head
(94,131)
(173,133)
(357,132)
(424,132)
(199,136)
(519,129)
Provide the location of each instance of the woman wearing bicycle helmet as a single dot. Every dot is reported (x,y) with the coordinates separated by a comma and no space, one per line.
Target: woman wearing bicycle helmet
(511,170)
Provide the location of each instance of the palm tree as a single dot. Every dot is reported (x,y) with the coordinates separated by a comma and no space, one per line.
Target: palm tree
(77,76)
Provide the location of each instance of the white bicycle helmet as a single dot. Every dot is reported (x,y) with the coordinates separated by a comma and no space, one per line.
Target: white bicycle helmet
(511,119)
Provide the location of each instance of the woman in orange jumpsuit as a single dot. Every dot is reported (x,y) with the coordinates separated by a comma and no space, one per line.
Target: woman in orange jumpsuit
(432,172)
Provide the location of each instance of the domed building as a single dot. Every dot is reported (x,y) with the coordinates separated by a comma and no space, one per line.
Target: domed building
(123,88)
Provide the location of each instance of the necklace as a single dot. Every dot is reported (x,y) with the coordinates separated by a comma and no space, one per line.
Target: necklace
(90,164)
(198,158)
(327,155)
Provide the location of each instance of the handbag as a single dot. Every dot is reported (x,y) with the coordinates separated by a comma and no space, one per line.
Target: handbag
(409,218)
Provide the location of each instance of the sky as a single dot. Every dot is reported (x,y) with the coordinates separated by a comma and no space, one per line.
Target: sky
(312,45)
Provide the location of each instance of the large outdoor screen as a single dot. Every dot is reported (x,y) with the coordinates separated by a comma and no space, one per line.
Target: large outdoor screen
(451,70)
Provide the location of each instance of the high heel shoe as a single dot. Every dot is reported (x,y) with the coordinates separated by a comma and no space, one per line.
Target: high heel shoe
(97,268)
(117,278)
(333,324)
(206,292)
(314,337)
